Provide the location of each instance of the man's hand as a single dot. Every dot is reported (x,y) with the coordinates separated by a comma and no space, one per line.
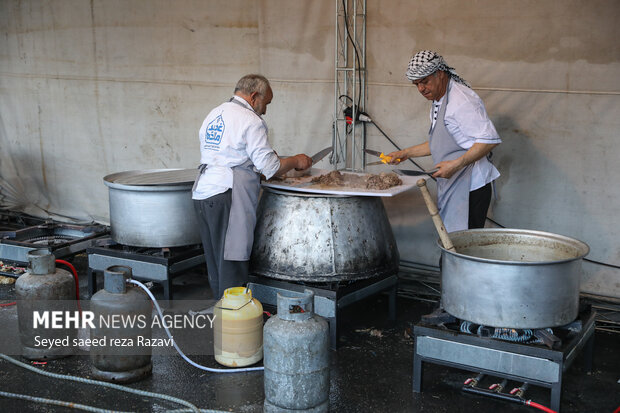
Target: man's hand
(397,157)
(477,151)
(298,162)
(448,168)
(302,162)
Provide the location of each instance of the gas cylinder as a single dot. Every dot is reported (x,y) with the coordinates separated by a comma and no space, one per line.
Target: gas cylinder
(238,328)
(296,357)
(120,349)
(43,289)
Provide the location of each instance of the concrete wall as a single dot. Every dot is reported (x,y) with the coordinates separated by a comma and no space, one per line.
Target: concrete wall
(95,87)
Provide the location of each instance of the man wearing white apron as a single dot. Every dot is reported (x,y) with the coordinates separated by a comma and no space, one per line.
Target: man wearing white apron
(233,151)
(460,141)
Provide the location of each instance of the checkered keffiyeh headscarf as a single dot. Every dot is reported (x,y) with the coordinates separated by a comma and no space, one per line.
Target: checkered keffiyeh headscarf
(427,62)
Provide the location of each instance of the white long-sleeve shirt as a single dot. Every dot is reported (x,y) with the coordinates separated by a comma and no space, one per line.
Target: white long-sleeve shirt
(229,136)
(467,121)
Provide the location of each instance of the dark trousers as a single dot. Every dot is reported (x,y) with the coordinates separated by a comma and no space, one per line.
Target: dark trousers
(479,201)
(212,214)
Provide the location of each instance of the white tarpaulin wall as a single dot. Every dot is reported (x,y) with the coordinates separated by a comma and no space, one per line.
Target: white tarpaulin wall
(94,87)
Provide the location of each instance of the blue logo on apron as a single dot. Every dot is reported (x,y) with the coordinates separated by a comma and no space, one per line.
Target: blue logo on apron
(215,130)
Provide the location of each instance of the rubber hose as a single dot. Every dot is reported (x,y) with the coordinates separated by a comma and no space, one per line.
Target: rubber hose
(77,281)
(193,363)
(539,407)
(99,383)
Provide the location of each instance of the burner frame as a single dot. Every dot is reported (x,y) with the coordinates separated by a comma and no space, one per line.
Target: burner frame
(328,301)
(533,364)
(14,249)
(144,267)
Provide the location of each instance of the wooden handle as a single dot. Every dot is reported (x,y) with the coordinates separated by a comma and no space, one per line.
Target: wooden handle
(432,209)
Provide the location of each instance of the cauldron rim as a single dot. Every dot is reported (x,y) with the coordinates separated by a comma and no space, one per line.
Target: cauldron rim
(305,194)
(577,244)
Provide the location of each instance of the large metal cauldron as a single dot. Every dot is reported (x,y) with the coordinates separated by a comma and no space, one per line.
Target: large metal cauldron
(153,208)
(512,278)
(317,238)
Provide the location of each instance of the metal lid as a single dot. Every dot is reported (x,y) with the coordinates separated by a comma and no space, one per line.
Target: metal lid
(153,177)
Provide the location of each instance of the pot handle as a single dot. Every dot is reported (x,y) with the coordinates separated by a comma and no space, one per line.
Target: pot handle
(432,209)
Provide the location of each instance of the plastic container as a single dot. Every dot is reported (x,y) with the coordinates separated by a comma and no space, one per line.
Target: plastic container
(238,332)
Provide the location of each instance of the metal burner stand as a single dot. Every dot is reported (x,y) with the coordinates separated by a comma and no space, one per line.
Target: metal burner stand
(513,361)
(144,266)
(62,240)
(327,301)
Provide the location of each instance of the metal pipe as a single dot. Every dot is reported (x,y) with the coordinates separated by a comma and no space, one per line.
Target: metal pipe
(491,393)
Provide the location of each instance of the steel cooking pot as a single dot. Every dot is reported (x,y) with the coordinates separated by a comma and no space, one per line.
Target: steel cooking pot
(512,277)
(153,208)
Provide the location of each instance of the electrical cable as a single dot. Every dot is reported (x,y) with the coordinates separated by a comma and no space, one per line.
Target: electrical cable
(346,25)
(213,370)
(57,402)
(602,263)
(201,411)
(100,383)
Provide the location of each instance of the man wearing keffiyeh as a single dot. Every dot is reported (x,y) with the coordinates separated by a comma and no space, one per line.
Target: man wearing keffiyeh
(460,140)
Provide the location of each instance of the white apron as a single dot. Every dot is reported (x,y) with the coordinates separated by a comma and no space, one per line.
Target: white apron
(453,193)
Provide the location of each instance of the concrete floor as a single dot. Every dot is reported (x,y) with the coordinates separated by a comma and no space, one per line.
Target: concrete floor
(370,372)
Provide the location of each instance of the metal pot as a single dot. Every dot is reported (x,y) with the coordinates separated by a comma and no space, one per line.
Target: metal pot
(512,278)
(316,238)
(153,208)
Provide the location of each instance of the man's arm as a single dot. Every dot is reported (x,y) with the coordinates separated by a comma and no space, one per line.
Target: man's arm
(415,151)
(476,152)
(298,162)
